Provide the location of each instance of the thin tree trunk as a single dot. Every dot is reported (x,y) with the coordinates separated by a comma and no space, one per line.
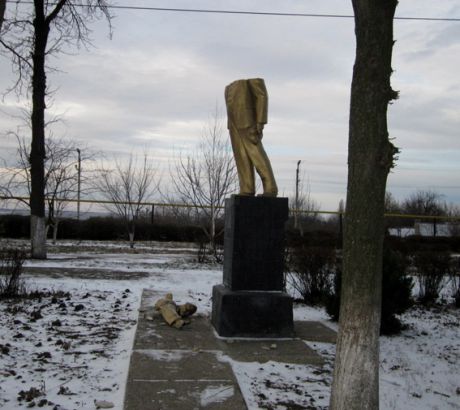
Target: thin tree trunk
(55,231)
(37,152)
(131,230)
(213,231)
(370,157)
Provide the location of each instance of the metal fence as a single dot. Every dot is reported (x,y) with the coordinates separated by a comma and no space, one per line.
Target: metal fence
(399,224)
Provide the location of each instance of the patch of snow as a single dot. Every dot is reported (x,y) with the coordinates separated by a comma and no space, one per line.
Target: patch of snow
(419,368)
(167,391)
(90,350)
(278,385)
(216,394)
(164,355)
(70,347)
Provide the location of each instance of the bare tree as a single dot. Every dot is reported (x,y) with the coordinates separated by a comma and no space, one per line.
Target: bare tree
(61,176)
(296,199)
(340,216)
(37,30)
(303,206)
(62,179)
(391,204)
(425,203)
(205,178)
(127,186)
(370,158)
(454,223)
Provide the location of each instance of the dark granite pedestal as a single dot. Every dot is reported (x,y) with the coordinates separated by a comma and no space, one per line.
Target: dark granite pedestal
(251,301)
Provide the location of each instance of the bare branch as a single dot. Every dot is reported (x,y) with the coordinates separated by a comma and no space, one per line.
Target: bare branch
(55,12)
(60,173)
(68,23)
(22,59)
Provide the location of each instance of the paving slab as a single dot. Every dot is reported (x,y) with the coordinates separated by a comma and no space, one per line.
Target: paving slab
(187,368)
(180,379)
(314,332)
(176,395)
(154,333)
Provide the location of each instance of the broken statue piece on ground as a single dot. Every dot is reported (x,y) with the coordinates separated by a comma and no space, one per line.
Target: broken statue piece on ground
(173,314)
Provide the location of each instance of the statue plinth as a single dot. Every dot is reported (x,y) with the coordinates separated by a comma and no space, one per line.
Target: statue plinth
(251,301)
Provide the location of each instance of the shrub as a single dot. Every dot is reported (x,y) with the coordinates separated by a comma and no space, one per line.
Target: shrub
(207,253)
(396,292)
(113,228)
(455,279)
(11,261)
(313,238)
(310,272)
(15,226)
(333,300)
(102,228)
(68,229)
(431,267)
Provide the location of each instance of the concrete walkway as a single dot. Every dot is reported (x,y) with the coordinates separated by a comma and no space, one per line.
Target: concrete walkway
(186,369)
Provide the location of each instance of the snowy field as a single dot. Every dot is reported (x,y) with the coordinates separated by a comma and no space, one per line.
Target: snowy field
(70,348)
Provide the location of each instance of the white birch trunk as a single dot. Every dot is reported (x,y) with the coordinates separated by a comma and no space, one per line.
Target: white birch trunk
(131,240)
(38,237)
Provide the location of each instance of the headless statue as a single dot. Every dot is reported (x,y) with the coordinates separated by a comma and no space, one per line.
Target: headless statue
(247,106)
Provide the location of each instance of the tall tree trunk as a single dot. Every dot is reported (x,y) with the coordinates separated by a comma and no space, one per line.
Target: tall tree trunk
(2,12)
(370,157)
(37,152)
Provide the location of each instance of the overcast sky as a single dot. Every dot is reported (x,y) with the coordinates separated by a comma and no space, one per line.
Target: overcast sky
(155,84)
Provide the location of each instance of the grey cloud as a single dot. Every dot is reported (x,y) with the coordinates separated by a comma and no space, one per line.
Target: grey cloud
(158,80)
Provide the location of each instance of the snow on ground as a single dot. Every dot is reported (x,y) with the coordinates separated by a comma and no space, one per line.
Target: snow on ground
(420,368)
(274,385)
(69,347)
(72,346)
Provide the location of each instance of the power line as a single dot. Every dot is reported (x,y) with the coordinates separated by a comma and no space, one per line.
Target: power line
(253,13)
(267,13)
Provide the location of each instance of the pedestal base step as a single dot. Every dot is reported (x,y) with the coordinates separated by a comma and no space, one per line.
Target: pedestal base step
(251,313)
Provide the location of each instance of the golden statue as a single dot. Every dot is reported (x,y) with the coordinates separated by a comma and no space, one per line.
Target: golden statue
(247,105)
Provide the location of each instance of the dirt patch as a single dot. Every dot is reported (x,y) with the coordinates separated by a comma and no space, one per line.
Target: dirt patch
(84,273)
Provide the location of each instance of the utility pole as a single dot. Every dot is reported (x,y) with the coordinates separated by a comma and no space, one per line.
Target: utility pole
(78,183)
(296,211)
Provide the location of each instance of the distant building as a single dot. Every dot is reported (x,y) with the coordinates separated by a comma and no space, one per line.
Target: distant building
(424,229)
